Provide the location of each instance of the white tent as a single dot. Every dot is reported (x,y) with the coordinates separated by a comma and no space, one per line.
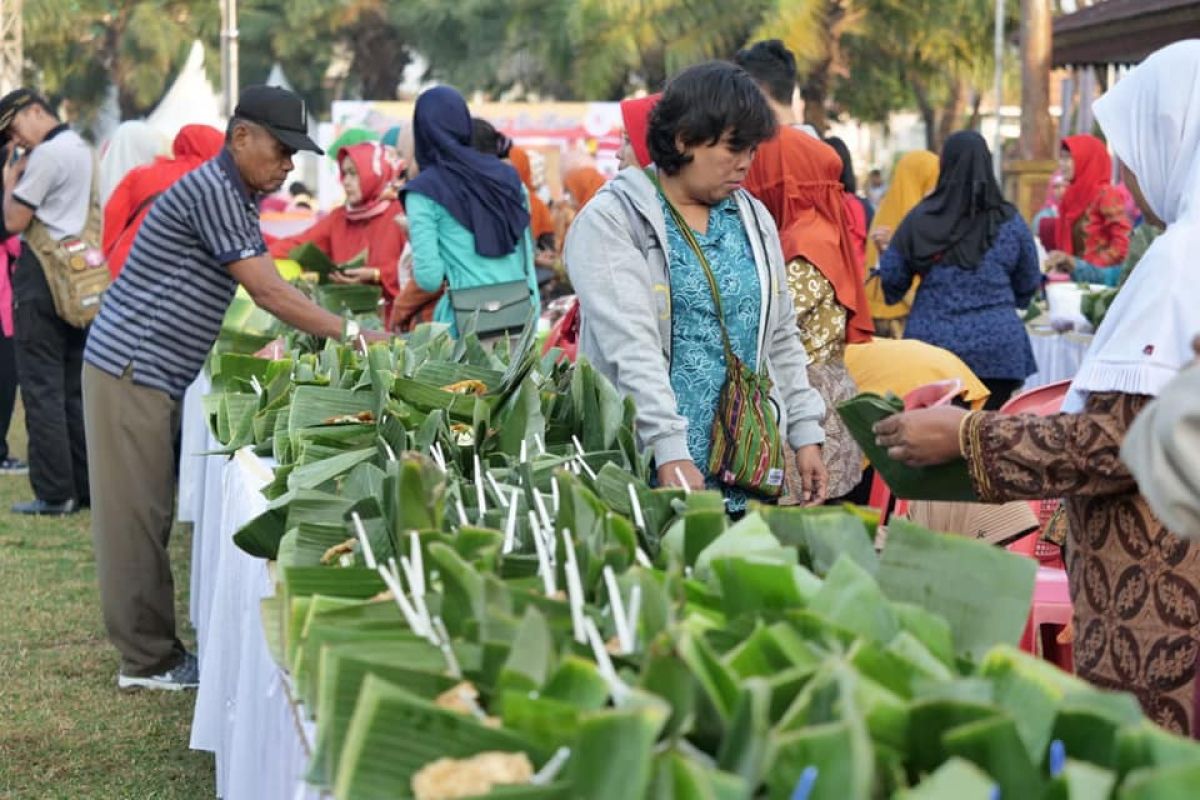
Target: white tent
(191,98)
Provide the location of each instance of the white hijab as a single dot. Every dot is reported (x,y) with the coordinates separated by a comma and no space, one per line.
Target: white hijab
(133,144)
(1152,121)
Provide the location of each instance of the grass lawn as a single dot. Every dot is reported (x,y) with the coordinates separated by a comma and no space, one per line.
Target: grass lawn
(65,730)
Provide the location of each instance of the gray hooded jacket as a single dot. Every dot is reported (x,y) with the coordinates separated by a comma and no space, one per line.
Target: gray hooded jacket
(621,277)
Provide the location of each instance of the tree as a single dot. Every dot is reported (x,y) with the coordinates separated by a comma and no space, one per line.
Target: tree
(577,49)
(138,47)
(935,55)
(134,47)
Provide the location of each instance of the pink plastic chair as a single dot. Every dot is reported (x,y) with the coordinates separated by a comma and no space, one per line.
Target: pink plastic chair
(1051,600)
(1042,400)
(1051,607)
(939,393)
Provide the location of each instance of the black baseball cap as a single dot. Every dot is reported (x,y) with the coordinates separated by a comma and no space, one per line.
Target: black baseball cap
(279,111)
(13,102)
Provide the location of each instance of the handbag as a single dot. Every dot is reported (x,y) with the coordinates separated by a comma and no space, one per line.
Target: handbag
(75,266)
(747,448)
(492,310)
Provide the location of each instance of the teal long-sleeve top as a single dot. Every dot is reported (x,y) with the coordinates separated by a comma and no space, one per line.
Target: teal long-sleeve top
(444,252)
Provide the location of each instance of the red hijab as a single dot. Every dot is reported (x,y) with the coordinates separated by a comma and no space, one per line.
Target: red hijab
(375,173)
(130,202)
(541,222)
(371,226)
(636,113)
(798,179)
(1093,172)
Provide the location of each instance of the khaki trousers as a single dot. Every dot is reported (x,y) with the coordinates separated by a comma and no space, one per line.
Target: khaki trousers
(131,432)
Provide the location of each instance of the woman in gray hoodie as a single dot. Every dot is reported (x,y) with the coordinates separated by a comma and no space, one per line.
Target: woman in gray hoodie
(648,320)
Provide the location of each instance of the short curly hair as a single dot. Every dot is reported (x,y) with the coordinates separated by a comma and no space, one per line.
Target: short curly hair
(700,105)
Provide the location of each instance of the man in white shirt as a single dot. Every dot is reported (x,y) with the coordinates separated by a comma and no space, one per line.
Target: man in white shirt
(47,181)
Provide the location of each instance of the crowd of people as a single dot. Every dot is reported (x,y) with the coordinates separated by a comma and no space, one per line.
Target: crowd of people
(731,278)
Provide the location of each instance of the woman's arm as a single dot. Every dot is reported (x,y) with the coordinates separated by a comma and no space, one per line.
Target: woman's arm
(1161,451)
(1090,273)
(1025,457)
(429,268)
(1026,275)
(895,275)
(531,272)
(620,310)
(1106,231)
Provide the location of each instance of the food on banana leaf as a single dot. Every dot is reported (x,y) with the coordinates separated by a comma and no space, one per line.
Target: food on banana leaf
(450,779)
(626,641)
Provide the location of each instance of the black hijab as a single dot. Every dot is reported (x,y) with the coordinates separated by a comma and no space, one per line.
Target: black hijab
(959,221)
(849,182)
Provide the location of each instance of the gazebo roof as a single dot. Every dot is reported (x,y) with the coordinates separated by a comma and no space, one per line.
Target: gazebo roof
(1123,31)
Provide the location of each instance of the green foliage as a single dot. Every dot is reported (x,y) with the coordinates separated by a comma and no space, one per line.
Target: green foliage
(867,58)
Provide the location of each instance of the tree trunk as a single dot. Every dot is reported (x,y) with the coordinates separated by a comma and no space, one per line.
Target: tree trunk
(928,115)
(815,91)
(377,60)
(1037,129)
(951,113)
(654,68)
(976,101)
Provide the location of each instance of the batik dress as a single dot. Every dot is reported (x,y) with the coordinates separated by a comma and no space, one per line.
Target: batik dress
(697,348)
(1135,585)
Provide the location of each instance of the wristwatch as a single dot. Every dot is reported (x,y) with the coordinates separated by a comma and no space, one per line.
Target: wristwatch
(350,330)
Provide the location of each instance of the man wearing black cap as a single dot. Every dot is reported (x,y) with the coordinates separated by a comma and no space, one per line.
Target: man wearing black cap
(158,321)
(47,196)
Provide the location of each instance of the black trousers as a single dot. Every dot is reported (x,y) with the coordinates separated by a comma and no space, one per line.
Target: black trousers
(1002,390)
(49,358)
(8,390)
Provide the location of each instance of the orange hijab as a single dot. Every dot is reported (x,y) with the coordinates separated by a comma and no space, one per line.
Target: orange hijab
(582,183)
(541,221)
(798,179)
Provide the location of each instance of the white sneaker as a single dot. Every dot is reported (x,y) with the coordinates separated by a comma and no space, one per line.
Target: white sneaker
(184,675)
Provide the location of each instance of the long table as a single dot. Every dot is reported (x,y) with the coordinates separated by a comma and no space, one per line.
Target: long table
(245,712)
(1059,355)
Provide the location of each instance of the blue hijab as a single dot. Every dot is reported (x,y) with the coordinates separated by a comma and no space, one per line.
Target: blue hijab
(482,192)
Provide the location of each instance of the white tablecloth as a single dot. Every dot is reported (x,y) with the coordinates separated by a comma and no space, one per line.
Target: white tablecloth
(1058,355)
(244,713)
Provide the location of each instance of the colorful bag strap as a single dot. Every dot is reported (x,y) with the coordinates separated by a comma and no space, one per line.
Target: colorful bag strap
(686,230)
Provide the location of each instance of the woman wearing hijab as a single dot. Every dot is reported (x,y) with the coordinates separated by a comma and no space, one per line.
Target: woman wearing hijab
(131,199)
(541,221)
(798,179)
(859,214)
(581,184)
(635,113)
(1134,582)
(369,224)
(1045,221)
(915,176)
(468,216)
(1091,236)
(134,144)
(977,263)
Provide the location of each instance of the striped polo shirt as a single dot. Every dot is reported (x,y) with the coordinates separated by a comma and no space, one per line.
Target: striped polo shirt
(164,312)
